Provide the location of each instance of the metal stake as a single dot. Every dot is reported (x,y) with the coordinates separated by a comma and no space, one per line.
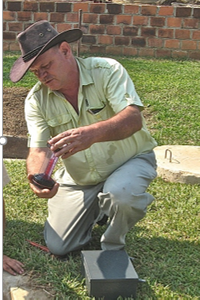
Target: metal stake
(170,154)
(79,25)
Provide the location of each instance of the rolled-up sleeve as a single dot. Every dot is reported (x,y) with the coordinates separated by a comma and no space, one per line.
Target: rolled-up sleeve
(115,84)
(38,129)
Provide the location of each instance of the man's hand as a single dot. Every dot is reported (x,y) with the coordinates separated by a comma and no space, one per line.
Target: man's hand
(72,141)
(34,162)
(12,266)
(44,193)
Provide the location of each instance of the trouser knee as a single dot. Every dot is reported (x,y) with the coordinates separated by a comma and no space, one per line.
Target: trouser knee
(130,205)
(54,243)
(61,246)
(56,248)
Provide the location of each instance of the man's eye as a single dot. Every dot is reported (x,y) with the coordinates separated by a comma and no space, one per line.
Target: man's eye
(46,66)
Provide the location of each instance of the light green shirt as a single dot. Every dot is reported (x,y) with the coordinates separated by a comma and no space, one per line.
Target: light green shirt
(105,89)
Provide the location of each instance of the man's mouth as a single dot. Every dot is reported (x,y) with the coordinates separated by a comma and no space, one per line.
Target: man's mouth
(48,81)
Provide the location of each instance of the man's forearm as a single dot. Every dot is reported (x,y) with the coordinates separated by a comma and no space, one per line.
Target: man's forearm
(119,127)
(35,160)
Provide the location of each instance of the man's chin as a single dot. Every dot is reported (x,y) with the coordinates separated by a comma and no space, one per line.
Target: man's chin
(50,84)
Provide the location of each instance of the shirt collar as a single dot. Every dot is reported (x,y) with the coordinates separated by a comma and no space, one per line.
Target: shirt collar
(84,66)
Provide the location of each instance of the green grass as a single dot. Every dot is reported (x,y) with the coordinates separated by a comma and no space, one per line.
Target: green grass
(170,92)
(8,61)
(165,244)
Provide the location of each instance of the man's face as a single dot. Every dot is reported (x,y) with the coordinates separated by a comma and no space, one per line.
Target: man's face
(52,68)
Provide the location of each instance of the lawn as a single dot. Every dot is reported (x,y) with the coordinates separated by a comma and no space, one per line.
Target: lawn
(165,244)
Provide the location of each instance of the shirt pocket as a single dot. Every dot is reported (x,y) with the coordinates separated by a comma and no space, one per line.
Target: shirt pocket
(59,123)
(98,113)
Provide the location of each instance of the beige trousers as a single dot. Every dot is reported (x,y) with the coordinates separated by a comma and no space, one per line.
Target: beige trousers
(122,197)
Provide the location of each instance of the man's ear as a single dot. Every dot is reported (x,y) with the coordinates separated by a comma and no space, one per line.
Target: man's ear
(65,48)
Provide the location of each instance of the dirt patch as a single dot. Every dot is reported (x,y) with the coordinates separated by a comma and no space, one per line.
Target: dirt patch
(14,123)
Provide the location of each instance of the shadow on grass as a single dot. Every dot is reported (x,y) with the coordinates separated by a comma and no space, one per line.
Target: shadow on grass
(61,279)
(172,264)
(165,264)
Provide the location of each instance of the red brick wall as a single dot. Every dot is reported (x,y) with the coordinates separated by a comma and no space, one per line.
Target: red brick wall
(109,28)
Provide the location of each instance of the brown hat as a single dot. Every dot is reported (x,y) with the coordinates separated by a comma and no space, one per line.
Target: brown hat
(34,41)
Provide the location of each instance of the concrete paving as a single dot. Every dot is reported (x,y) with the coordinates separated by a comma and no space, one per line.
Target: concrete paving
(19,288)
(177,163)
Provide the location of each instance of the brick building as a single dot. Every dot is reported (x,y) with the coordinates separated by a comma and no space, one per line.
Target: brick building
(110,28)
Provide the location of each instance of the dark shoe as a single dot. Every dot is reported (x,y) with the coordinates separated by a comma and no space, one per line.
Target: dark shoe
(103,221)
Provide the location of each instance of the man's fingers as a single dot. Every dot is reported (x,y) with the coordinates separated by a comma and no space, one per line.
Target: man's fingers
(45,193)
(12,266)
(9,270)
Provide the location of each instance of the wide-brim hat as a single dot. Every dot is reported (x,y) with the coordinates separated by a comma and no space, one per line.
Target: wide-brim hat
(34,41)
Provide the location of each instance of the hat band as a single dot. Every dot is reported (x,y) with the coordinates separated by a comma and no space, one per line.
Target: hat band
(31,54)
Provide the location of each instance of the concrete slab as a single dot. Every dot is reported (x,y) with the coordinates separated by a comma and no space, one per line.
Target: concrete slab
(18,293)
(177,163)
(19,288)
